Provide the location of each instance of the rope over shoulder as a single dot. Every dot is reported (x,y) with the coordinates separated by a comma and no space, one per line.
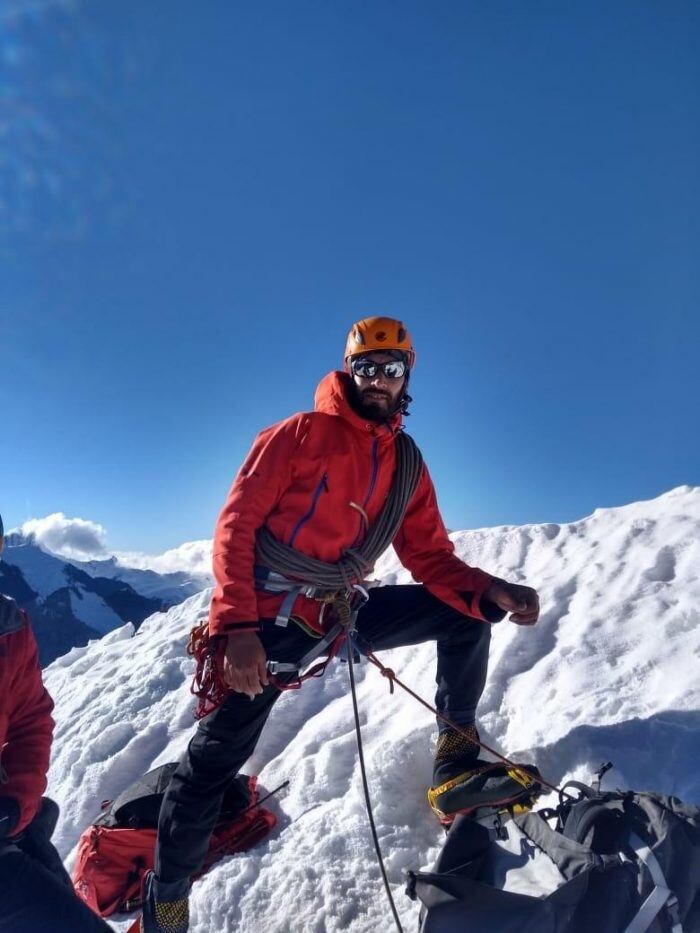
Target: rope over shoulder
(335,578)
(355,563)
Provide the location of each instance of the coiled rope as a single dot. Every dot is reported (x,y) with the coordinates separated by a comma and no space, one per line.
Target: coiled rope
(337,579)
(355,563)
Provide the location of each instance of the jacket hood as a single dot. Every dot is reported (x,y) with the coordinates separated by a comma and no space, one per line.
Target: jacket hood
(332,399)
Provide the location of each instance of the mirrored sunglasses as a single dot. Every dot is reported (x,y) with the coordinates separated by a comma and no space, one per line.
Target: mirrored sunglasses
(368,369)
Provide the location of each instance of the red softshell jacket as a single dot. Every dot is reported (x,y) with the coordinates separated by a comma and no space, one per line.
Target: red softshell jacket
(26,726)
(304,478)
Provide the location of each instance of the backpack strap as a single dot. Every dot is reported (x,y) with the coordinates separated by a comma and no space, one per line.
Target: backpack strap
(660,896)
(570,856)
(584,790)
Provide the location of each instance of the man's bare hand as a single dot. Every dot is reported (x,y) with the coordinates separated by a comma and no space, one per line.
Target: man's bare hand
(245,663)
(521,601)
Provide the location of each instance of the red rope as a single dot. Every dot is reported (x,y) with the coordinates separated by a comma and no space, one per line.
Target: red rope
(393,679)
(208,683)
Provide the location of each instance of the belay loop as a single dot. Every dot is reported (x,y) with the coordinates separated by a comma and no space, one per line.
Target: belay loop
(347,603)
(208,683)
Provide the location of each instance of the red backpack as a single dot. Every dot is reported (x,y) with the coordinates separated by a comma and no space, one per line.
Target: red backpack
(116,851)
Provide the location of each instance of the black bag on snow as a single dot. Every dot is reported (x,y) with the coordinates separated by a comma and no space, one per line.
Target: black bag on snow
(117,849)
(139,805)
(616,863)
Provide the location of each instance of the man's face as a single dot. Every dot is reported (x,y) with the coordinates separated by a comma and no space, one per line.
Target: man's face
(377,398)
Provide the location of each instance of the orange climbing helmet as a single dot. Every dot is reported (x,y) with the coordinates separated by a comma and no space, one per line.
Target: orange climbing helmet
(379,333)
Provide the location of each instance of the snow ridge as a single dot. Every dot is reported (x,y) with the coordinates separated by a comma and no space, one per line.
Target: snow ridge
(609,673)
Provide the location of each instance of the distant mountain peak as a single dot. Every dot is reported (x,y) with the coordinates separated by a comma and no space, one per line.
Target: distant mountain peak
(71,602)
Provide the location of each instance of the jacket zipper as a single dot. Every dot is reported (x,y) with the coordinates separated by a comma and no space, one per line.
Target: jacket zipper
(305,518)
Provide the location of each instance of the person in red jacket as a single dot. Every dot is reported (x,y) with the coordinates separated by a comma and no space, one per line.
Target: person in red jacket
(317,481)
(36,891)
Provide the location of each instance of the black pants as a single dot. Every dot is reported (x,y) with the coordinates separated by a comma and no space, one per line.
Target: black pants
(395,616)
(36,893)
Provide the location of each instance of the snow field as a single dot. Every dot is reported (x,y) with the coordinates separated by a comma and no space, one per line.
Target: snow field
(609,673)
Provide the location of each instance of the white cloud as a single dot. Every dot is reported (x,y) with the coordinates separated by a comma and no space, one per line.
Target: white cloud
(67,537)
(194,557)
(80,539)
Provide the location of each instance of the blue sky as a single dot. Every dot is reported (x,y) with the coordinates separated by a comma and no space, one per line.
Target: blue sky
(197,200)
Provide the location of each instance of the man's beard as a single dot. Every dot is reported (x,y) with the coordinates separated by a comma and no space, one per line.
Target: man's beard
(373,410)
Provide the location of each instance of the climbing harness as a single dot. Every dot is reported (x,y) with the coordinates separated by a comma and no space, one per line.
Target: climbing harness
(282,569)
(344,607)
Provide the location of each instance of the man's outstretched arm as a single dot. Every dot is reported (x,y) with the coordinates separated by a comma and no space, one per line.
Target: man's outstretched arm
(424,548)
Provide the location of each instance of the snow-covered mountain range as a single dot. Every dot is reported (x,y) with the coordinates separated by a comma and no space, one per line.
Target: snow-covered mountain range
(609,673)
(71,602)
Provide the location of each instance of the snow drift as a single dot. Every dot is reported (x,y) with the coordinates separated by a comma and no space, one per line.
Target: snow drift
(609,672)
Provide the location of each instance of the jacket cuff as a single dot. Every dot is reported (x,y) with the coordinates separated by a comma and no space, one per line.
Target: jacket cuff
(490,611)
(9,816)
(474,596)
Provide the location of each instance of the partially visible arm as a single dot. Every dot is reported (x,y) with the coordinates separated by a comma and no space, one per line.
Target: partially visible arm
(25,757)
(262,479)
(425,549)
(521,601)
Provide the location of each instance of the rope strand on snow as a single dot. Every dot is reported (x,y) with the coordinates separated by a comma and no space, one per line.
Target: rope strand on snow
(351,671)
(393,679)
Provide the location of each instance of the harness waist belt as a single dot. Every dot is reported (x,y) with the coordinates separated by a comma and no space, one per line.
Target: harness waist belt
(272,582)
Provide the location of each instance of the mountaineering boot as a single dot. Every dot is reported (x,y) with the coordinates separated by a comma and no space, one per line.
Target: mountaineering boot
(463,782)
(491,784)
(455,753)
(165,906)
